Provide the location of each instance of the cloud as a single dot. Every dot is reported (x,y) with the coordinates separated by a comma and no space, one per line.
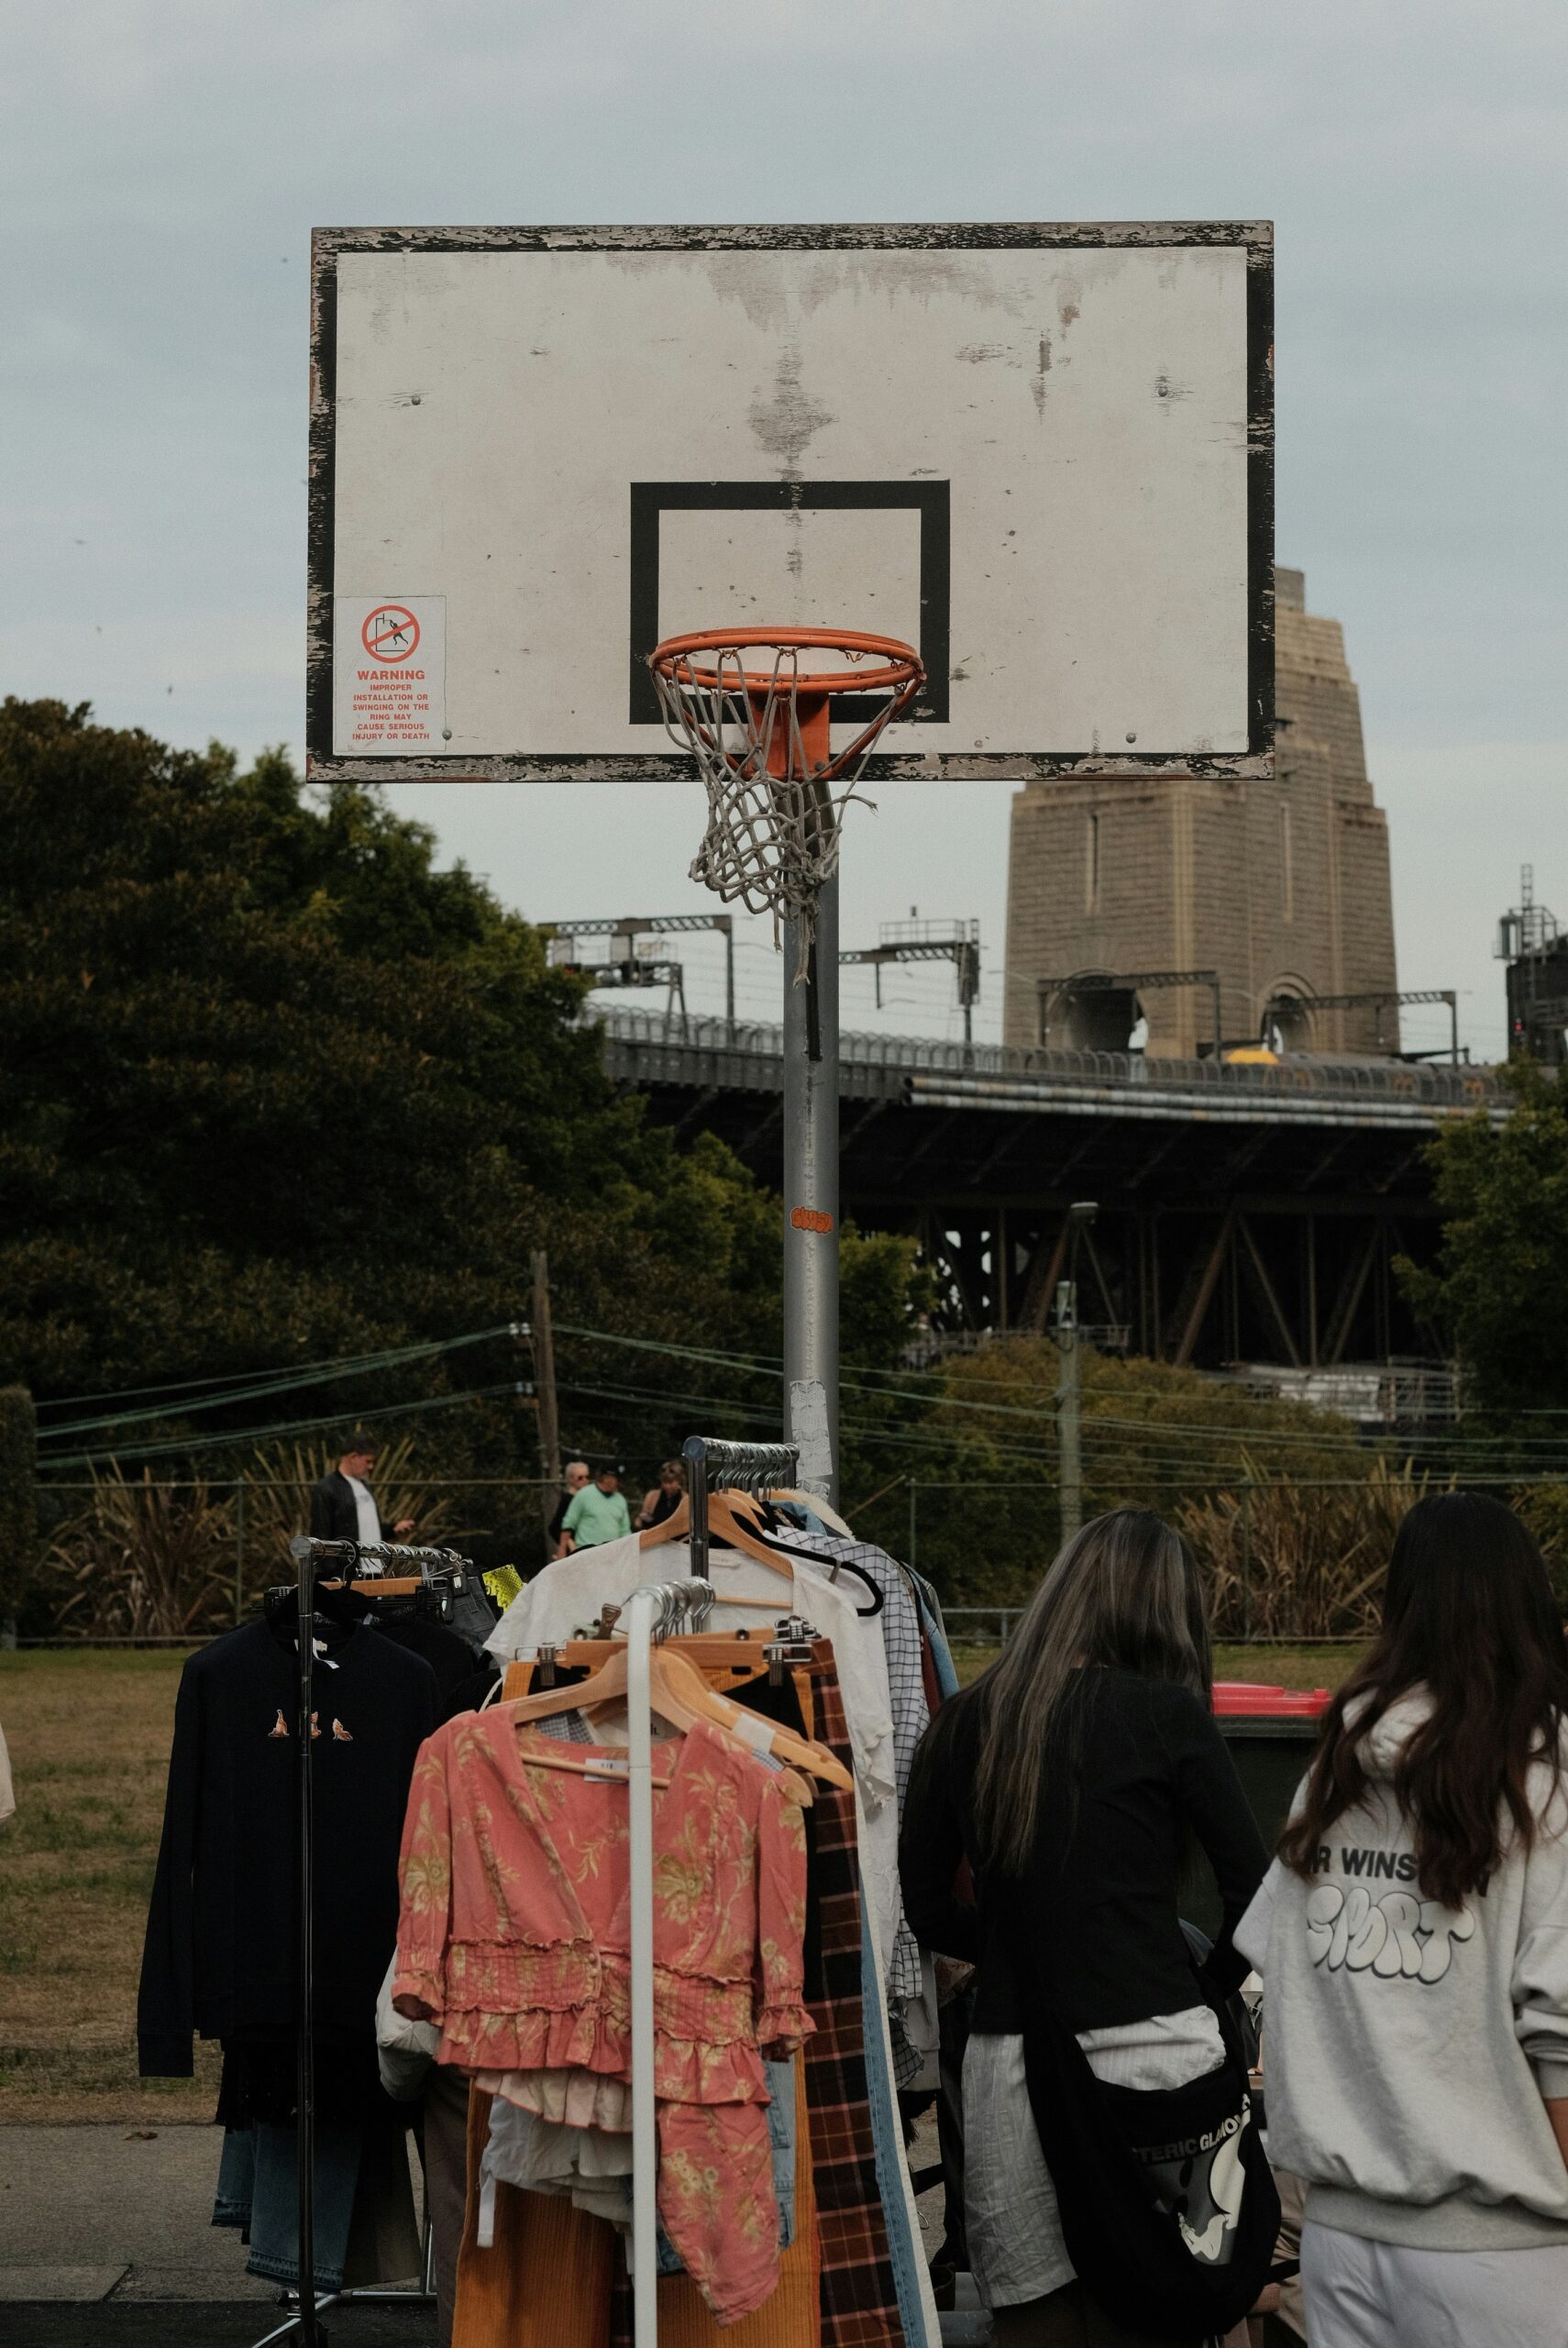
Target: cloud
(159,159)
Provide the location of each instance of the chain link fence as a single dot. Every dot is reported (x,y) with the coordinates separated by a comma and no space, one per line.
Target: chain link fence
(133,1559)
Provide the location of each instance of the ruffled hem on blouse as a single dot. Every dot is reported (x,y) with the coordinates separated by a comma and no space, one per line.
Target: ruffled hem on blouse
(686,2070)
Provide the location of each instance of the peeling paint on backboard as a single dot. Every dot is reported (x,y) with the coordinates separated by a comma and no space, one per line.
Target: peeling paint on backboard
(1093,403)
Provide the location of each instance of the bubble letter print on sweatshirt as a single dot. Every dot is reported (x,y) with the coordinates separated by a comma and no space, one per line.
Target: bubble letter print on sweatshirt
(1396,1936)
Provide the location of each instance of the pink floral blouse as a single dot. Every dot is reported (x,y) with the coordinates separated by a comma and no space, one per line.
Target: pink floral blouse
(515,1925)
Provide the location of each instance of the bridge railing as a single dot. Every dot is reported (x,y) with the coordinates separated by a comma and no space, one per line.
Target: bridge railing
(918,1055)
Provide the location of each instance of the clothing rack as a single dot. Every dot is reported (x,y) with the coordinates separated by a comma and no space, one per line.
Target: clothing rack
(714,1465)
(651,1612)
(310,1556)
(371,1561)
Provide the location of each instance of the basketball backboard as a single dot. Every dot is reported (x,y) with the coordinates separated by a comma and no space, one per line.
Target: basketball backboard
(1042,454)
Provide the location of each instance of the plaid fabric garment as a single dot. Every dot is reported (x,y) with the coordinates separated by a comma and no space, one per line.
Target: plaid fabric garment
(906,1700)
(859,2300)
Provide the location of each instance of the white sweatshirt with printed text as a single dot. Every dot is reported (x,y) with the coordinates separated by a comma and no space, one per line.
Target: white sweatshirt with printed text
(1407,2046)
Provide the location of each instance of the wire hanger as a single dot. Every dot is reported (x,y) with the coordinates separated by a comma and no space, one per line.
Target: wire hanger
(770,1521)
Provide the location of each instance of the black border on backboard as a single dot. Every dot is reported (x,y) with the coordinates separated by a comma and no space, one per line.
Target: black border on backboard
(1256,236)
(929,499)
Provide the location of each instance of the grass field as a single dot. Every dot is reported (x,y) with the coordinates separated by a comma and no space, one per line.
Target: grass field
(1304,1667)
(89,1735)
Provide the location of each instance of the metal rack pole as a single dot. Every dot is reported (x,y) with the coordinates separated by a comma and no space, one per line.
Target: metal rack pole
(715,1464)
(309,1556)
(694,1451)
(304,2117)
(708,1461)
(651,1611)
(639,1790)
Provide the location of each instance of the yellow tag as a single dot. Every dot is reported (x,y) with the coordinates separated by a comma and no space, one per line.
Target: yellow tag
(505,1583)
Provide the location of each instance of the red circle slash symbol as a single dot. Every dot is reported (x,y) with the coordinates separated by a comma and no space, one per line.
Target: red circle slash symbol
(391,633)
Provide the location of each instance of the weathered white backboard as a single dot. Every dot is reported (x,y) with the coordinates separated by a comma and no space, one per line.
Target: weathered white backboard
(1042,454)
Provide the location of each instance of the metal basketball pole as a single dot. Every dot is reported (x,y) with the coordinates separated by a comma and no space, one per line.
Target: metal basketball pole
(811,1197)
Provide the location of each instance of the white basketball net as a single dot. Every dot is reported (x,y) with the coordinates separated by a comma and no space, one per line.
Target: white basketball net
(772,839)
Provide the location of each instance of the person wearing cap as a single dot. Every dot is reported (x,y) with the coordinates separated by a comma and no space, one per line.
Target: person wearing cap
(598,1514)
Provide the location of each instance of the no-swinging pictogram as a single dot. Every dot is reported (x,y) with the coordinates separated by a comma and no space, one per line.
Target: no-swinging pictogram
(391,633)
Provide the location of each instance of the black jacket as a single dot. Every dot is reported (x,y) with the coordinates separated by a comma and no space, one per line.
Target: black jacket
(221,1954)
(1093,1922)
(333,1513)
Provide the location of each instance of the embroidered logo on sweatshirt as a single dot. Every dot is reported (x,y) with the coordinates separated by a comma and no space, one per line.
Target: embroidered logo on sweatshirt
(1396,1935)
(340,1735)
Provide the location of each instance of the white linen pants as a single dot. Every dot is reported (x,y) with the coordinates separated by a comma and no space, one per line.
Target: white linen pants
(1363,2294)
(1016,2249)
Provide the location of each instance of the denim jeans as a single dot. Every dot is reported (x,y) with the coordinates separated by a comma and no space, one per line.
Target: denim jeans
(781,2136)
(936,1632)
(905,2249)
(258,2190)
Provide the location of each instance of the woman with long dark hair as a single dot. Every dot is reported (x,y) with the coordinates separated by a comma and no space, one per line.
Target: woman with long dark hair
(1412,1938)
(1072,1777)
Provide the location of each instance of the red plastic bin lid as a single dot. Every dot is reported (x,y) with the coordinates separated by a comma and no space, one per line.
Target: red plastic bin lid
(1249,1699)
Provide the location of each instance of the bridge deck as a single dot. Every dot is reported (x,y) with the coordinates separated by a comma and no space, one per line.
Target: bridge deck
(1246,1211)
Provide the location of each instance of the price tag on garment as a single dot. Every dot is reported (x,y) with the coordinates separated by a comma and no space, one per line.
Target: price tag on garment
(753,1730)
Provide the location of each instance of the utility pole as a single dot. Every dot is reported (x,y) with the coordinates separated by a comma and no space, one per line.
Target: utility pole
(545,1388)
(1069,1397)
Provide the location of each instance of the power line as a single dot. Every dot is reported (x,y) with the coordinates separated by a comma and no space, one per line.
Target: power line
(273,1432)
(282,1382)
(915,1390)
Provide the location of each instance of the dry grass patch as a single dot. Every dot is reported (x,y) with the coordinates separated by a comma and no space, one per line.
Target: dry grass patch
(89,1735)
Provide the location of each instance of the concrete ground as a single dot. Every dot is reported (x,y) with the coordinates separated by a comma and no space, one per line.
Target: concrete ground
(106,2241)
(106,2237)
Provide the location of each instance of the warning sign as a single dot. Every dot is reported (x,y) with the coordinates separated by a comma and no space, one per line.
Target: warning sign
(389,674)
(391,633)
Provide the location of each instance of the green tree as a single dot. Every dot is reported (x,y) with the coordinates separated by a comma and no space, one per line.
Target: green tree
(1497,1293)
(276,1090)
(1152,1436)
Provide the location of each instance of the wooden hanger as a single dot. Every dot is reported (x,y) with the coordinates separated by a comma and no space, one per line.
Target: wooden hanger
(613,1771)
(680,1695)
(724,1519)
(740,1658)
(737,1652)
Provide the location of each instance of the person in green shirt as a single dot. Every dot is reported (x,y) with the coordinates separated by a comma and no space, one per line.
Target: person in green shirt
(598,1513)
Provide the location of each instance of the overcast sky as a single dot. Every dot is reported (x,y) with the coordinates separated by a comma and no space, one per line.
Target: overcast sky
(163,164)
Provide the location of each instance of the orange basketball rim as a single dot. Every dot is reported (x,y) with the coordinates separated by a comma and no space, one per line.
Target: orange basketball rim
(784,708)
